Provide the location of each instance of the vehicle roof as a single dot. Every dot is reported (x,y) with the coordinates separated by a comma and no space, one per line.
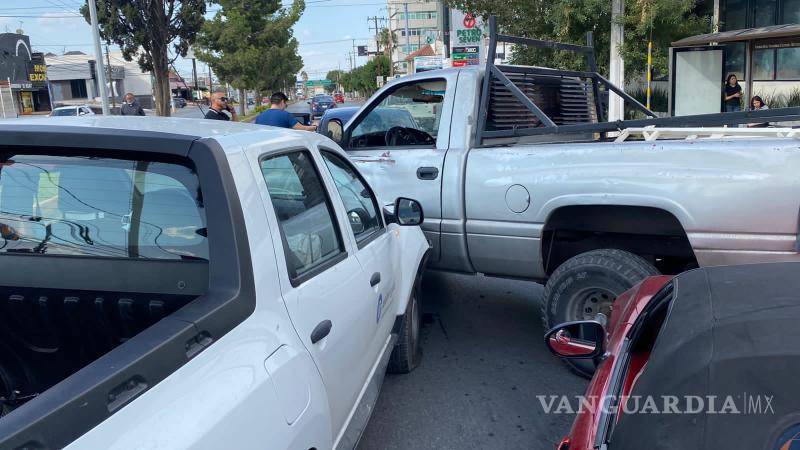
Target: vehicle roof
(172,127)
(343,112)
(70,107)
(730,329)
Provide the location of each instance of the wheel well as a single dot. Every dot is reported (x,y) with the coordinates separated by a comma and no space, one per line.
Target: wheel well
(652,233)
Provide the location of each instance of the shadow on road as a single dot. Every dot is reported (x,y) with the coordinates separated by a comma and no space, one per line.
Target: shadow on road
(483,365)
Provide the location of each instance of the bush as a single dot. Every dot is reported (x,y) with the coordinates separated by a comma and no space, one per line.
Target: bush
(259,109)
(659,102)
(793,97)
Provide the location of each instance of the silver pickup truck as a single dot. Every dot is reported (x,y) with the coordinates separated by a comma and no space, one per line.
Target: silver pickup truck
(586,213)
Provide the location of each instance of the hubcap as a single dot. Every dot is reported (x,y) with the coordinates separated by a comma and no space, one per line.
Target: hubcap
(589,302)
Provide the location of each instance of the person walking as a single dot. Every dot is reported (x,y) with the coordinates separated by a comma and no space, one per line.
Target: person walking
(131,107)
(219,105)
(757,104)
(277,116)
(733,94)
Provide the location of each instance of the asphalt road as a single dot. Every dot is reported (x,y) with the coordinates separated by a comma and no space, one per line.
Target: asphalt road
(483,365)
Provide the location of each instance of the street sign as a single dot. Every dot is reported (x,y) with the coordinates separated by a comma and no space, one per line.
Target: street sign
(312,83)
(466,39)
(362,50)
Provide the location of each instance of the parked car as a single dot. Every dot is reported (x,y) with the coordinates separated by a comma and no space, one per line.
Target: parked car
(507,196)
(319,104)
(241,276)
(728,333)
(79,110)
(179,102)
(338,97)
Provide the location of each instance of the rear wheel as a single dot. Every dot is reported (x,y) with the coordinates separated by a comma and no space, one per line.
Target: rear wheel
(587,284)
(407,353)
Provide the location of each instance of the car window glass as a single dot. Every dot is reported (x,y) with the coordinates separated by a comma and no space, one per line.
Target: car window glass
(414,108)
(65,112)
(102,207)
(306,218)
(361,205)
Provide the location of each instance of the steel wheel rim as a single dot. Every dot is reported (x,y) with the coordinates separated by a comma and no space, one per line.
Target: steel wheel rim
(587,303)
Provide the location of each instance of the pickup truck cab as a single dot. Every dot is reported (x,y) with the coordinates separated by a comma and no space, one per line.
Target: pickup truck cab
(179,283)
(589,217)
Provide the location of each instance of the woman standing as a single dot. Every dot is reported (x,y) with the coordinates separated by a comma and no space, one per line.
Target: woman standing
(733,94)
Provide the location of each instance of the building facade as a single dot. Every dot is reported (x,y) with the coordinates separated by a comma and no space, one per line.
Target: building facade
(414,24)
(24,75)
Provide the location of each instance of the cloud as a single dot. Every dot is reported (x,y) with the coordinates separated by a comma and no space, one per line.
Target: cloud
(347,36)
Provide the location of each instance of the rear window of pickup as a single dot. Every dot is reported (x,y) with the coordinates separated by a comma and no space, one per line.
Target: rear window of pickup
(101,207)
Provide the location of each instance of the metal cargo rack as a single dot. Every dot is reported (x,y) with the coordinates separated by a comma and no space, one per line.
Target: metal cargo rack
(529,101)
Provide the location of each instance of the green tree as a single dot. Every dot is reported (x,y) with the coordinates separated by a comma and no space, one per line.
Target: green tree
(569,20)
(364,79)
(250,45)
(336,77)
(147,30)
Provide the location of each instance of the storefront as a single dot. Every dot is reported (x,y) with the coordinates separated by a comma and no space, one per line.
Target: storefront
(25,73)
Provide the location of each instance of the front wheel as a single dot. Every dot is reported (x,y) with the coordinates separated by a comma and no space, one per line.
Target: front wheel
(587,284)
(407,353)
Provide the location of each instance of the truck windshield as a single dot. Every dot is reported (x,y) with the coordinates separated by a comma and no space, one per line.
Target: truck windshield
(101,207)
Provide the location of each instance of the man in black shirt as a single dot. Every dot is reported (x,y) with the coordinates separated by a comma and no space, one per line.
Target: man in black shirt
(219,104)
(131,107)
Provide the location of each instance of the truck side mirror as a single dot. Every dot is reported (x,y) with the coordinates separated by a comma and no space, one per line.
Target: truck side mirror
(407,212)
(334,131)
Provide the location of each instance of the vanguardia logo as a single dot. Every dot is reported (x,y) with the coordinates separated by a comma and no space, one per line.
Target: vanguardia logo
(744,403)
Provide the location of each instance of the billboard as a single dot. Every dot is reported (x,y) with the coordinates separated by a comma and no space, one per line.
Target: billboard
(466,39)
(425,63)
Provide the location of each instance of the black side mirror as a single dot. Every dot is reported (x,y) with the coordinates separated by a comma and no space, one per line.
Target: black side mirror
(407,212)
(583,339)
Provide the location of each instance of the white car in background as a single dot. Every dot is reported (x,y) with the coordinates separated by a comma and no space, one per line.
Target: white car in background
(196,284)
(80,110)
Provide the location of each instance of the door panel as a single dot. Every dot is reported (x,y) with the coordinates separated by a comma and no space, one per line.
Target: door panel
(326,279)
(401,165)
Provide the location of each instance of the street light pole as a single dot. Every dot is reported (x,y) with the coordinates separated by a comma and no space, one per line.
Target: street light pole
(98,58)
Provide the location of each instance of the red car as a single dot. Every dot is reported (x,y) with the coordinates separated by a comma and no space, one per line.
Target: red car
(338,97)
(729,333)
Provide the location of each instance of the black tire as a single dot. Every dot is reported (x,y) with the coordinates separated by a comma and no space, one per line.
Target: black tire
(587,284)
(407,352)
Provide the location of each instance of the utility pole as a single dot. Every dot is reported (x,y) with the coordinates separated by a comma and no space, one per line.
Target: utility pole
(210,85)
(408,33)
(194,75)
(110,80)
(446,29)
(355,55)
(616,66)
(98,57)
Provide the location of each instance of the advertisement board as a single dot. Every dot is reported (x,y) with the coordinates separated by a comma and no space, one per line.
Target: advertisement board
(425,63)
(466,39)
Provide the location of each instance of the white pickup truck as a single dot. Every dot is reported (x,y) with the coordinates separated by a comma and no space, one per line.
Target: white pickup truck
(519,179)
(177,283)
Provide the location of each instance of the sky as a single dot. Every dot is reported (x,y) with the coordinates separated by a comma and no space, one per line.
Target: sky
(325,31)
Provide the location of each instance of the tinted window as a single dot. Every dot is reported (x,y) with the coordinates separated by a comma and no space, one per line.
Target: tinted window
(90,206)
(307,221)
(324,98)
(788,64)
(791,11)
(360,203)
(734,59)
(65,112)
(764,64)
(735,15)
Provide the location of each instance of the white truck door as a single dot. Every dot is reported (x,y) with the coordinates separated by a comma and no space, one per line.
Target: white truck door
(399,143)
(375,252)
(331,305)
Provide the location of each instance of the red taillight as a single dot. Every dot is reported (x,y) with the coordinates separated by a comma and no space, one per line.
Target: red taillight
(564,444)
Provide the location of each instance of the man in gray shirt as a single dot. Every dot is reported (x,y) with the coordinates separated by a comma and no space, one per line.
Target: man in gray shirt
(131,107)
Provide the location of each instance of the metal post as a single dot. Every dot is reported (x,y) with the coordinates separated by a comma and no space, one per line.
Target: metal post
(616,66)
(649,71)
(446,29)
(110,80)
(98,56)
(194,75)
(408,33)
